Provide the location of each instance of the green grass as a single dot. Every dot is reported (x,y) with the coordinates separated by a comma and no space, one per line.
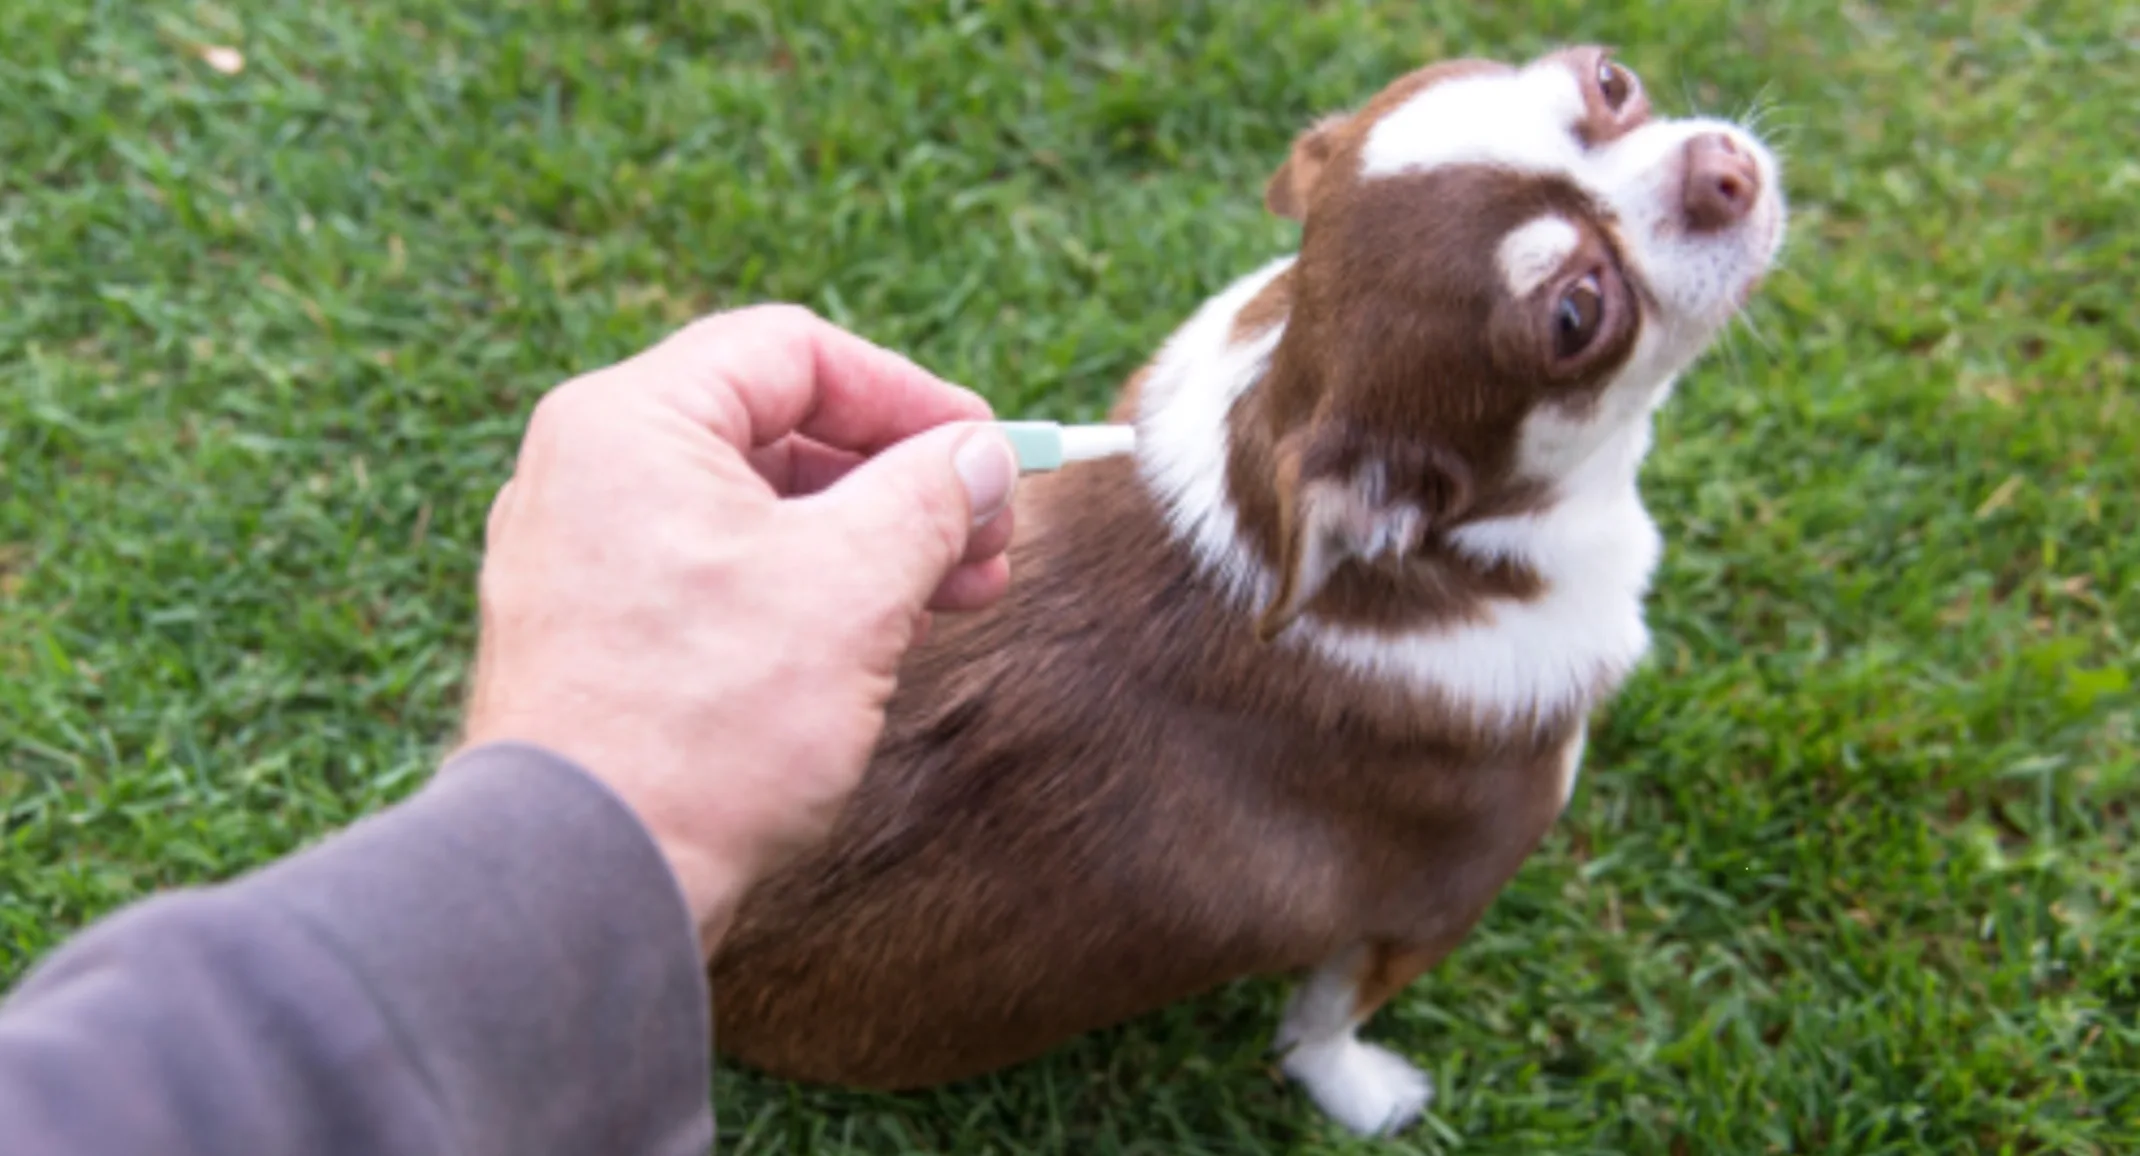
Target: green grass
(1853,865)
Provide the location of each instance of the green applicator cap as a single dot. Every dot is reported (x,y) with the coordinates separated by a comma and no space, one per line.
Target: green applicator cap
(1046,445)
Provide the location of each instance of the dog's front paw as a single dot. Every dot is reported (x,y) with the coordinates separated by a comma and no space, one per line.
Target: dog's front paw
(1369,1089)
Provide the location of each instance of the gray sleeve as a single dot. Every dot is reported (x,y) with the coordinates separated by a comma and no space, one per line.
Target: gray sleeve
(501,964)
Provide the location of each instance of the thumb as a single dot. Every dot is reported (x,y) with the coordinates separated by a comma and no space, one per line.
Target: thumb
(912,510)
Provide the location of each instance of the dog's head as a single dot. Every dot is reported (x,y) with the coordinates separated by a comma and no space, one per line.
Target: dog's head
(1501,271)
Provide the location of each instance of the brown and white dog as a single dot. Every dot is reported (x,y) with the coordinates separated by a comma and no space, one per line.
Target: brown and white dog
(1301,685)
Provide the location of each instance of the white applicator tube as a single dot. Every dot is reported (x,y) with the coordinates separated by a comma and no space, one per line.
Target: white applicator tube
(1046,445)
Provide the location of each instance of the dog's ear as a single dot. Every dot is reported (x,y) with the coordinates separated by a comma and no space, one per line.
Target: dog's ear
(1287,193)
(1342,503)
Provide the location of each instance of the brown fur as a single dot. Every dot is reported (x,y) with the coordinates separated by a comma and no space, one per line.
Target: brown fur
(1268,308)
(1388,969)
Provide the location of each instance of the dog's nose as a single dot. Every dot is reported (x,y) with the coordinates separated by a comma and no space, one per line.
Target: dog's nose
(1722,182)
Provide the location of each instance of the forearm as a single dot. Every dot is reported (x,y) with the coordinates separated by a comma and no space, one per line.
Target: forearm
(501,964)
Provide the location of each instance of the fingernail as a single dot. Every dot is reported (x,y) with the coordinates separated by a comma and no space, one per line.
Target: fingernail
(987,470)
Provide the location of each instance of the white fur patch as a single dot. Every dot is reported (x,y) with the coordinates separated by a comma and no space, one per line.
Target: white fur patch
(1529,658)
(1533,251)
(1371,1090)
(1601,447)
(1511,119)
(1181,428)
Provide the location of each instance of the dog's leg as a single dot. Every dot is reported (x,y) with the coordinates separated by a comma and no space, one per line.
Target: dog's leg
(1369,1089)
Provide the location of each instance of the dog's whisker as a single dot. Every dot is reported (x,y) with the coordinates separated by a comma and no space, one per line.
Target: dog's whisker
(1728,346)
(1761,105)
(1687,99)
(1753,331)
(1780,131)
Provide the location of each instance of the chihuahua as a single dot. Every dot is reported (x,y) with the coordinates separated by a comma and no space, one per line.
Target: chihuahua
(1300,685)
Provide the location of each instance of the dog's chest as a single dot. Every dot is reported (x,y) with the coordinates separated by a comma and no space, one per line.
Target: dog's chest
(1557,652)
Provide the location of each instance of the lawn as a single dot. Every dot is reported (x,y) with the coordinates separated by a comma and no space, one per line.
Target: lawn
(1853,865)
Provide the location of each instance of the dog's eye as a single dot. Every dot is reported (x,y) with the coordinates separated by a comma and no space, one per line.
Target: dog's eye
(1615,82)
(1576,317)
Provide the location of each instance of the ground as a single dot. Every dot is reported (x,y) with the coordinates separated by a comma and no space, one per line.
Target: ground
(1852,867)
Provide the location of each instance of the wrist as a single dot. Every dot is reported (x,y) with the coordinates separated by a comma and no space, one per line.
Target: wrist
(712,888)
(710,884)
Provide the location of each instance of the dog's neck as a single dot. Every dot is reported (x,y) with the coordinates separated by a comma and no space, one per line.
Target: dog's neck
(1542,611)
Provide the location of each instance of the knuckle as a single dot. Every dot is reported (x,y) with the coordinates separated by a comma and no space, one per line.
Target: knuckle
(784,315)
(577,414)
(722,339)
(544,420)
(703,330)
(777,320)
(560,407)
(695,341)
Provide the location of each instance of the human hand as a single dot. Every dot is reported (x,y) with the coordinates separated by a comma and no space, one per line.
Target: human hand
(701,578)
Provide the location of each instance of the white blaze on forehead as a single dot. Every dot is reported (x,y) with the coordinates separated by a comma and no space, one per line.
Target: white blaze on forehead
(1534,250)
(1524,120)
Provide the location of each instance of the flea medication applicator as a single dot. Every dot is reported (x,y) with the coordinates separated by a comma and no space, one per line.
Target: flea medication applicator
(1045,445)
